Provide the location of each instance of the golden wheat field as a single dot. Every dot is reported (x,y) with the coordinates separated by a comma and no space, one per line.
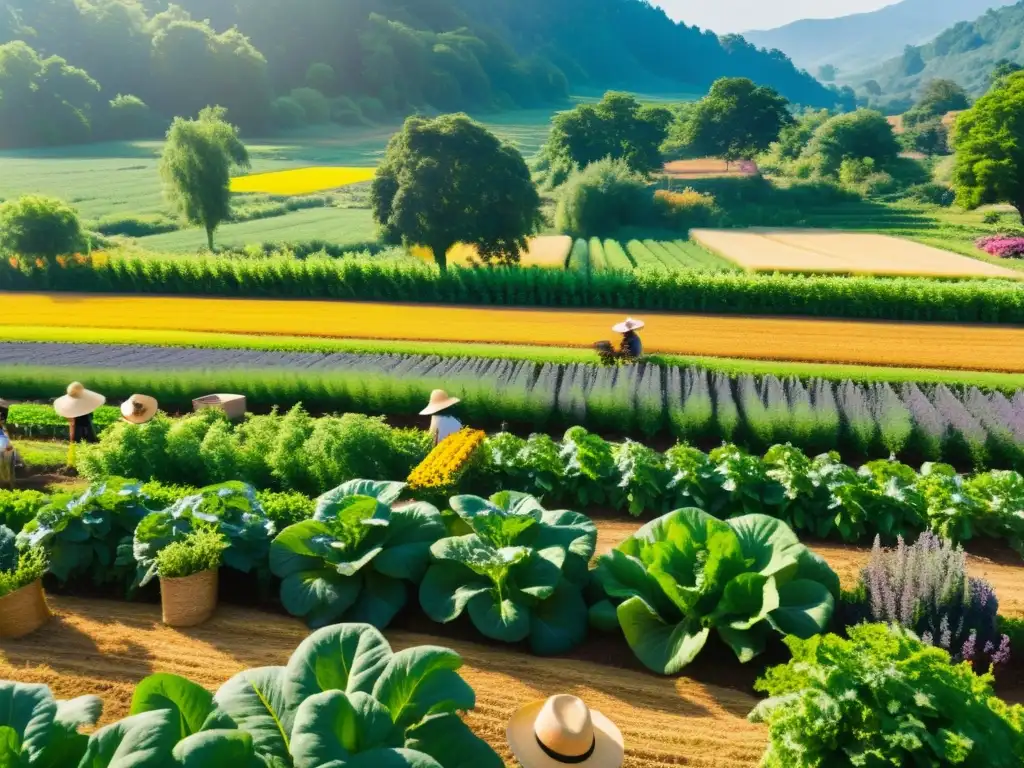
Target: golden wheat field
(932,345)
(831,251)
(546,252)
(103,647)
(706,168)
(301,181)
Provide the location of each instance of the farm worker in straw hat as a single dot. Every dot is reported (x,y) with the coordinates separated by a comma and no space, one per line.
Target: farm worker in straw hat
(138,409)
(9,458)
(441,424)
(630,348)
(562,731)
(78,406)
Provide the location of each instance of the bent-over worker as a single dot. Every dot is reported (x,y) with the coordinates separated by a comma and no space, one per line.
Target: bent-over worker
(442,422)
(630,348)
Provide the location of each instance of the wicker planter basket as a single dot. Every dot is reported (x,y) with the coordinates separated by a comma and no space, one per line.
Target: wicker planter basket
(190,600)
(24,611)
(232,405)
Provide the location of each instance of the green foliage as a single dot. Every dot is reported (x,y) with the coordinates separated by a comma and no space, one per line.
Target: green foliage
(736,120)
(199,550)
(352,558)
(231,509)
(18,507)
(937,98)
(518,571)
(618,128)
(449,180)
(129,117)
(88,534)
(30,567)
(856,135)
(928,137)
(883,698)
(687,573)
(39,730)
(316,109)
(39,227)
(989,144)
(196,167)
(603,198)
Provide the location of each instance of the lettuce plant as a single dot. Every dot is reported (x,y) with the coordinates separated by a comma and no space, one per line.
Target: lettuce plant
(518,572)
(687,573)
(352,559)
(38,730)
(882,698)
(229,508)
(83,533)
(589,467)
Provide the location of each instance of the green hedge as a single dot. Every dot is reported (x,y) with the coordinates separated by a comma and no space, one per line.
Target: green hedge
(909,299)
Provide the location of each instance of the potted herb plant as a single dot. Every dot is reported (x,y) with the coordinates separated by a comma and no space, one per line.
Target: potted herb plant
(188,570)
(23,607)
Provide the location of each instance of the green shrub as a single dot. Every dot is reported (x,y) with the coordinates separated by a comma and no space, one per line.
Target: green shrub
(855,135)
(882,698)
(602,198)
(932,193)
(314,104)
(345,111)
(32,566)
(288,112)
(34,226)
(198,551)
(136,226)
(18,507)
(127,117)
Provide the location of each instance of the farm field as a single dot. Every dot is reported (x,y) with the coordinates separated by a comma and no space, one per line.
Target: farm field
(301,181)
(822,251)
(103,647)
(993,348)
(708,168)
(545,252)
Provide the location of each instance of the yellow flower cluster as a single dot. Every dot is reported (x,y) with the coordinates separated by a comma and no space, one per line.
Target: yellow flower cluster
(442,466)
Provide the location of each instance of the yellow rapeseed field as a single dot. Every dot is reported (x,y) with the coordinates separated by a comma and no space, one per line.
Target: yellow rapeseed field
(301,181)
(547,252)
(932,345)
(834,251)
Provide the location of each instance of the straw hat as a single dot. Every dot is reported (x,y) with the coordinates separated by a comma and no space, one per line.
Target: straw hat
(439,400)
(138,409)
(563,731)
(79,401)
(629,324)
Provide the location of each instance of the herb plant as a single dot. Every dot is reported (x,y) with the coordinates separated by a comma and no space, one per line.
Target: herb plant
(883,698)
(31,565)
(200,550)
(352,559)
(518,573)
(687,573)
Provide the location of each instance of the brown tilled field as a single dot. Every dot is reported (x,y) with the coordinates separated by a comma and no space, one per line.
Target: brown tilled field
(708,168)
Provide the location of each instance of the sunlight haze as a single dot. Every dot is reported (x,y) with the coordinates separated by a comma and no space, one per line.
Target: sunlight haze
(741,15)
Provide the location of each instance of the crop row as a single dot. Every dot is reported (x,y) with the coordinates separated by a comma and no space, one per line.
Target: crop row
(909,299)
(966,427)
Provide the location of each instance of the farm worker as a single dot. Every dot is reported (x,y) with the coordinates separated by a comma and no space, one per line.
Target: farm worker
(562,731)
(441,424)
(138,409)
(8,456)
(78,406)
(630,348)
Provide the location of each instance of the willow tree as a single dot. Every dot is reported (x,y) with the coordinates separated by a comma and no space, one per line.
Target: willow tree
(196,167)
(449,180)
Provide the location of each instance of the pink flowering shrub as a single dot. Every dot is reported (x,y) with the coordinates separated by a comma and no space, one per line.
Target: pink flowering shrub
(1003,246)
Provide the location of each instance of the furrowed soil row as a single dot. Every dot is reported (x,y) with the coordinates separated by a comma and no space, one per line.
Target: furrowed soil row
(971,347)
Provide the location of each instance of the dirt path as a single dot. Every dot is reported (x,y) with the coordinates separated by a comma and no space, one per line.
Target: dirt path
(969,347)
(103,647)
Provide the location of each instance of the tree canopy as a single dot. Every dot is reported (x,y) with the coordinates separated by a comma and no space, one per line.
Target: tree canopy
(989,146)
(39,227)
(196,167)
(937,98)
(737,119)
(449,180)
(864,134)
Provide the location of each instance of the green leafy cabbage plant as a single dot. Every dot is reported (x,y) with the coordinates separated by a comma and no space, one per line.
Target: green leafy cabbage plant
(38,731)
(353,558)
(83,534)
(229,508)
(688,573)
(883,698)
(519,573)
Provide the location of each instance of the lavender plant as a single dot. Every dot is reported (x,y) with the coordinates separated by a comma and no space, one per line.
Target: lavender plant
(860,424)
(726,413)
(929,426)
(965,437)
(895,423)
(925,588)
(691,410)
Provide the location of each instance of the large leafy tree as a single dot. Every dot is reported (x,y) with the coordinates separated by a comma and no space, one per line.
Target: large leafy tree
(35,226)
(937,98)
(852,136)
(450,180)
(737,119)
(196,167)
(989,145)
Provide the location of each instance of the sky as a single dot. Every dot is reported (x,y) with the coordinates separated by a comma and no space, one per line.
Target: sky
(741,15)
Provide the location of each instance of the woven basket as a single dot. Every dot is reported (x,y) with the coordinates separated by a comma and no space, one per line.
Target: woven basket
(24,611)
(190,600)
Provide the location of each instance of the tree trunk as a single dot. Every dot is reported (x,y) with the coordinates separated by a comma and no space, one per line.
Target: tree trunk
(1020,210)
(209,237)
(440,251)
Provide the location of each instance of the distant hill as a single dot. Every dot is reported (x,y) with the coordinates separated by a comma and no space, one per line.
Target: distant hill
(966,53)
(855,42)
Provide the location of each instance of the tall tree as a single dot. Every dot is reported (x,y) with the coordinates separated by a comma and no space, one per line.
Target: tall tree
(737,119)
(937,98)
(196,167)
(989,145)
(450,180)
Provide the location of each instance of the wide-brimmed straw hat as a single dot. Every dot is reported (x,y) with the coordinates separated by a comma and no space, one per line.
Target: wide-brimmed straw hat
(138,409)
(563,730)
(629,324)
(79,401)
(439,400)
